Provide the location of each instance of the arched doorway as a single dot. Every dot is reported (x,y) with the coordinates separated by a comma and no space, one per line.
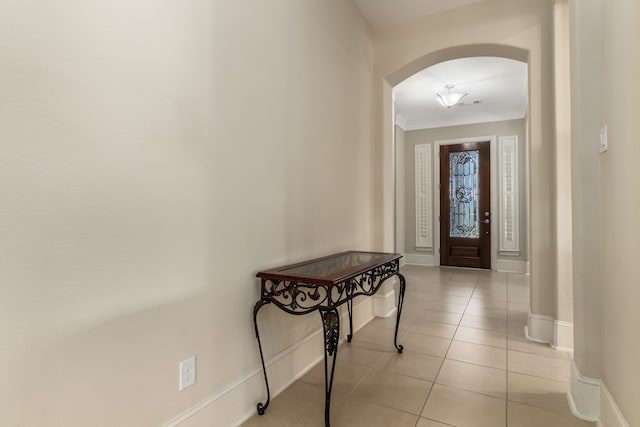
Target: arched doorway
(388,155)
(489,230)
(548,301)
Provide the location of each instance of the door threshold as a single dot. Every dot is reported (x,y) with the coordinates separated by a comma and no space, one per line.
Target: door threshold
(465,268)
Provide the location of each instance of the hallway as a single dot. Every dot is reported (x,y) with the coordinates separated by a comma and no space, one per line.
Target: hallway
(466,363)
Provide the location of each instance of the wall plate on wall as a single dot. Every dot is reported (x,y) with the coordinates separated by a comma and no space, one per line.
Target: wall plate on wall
(187,376)
(604,143)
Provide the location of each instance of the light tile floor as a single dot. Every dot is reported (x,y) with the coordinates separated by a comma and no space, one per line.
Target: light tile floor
(466,363)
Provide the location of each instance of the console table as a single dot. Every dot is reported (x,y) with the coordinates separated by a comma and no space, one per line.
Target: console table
(323,285)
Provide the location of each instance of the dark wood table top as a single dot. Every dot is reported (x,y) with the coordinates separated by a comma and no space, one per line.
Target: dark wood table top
(330,270)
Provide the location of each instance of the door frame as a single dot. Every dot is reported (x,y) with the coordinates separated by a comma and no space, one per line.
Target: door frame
(493,183)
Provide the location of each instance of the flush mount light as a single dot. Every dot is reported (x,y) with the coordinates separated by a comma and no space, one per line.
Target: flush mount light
(450,96)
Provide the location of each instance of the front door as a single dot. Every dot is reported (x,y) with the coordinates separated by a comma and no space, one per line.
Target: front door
(465,201)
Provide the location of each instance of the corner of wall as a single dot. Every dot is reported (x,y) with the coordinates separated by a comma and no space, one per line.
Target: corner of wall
(546,329)
(384,302)
(590,400)
(562,335)
(539,328)
(584,395)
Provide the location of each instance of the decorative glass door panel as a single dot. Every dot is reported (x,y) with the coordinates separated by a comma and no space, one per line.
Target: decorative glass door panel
(464,189)
(465,217)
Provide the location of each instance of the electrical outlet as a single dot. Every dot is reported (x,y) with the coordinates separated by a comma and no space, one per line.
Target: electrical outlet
(187,373)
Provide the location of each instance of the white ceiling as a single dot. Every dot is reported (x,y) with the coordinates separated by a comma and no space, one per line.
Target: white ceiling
(382,13)
(499,84)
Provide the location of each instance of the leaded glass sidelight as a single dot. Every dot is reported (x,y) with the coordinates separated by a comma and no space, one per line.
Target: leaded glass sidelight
(464,182)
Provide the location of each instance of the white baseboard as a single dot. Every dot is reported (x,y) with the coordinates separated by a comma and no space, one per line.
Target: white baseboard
(545,329)
(584,395)
(235,404)
(506,265)
(562,335)
(539,328)
(512,266)
(590,400)
(610,413)
(384,305)
(420,259)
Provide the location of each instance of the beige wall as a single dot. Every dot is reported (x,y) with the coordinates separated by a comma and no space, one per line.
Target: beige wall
(527,25)
(155,155)
(562,91)
(400,192)
(606,200)
(428,136)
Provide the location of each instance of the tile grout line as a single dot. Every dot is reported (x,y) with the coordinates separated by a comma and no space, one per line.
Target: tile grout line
(372,369)
(448,348)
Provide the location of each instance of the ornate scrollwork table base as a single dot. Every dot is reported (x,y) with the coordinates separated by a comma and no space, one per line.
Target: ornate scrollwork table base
(323,285)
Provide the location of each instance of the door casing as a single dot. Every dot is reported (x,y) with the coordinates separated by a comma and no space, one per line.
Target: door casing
(494,196)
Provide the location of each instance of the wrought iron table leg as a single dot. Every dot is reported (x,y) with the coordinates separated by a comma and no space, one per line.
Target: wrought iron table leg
(331,327)
(399,312)
(350,310)
(261,406)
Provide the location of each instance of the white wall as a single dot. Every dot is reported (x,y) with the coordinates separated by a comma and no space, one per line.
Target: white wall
(605,91)
(155,155)
(562,91)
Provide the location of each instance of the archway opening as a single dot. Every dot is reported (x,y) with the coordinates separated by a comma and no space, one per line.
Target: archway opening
(432,227)
(504,257)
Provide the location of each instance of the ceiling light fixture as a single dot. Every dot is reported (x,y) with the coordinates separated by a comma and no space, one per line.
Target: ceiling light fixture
(450,96)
